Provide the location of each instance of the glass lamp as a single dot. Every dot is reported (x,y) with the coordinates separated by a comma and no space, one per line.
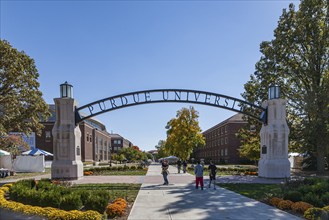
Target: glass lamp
(66,90)
(273,92)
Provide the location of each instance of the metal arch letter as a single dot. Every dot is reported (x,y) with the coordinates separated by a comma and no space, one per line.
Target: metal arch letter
(178,96)
(137,97)
(100,106)
(163,95)
(91,109)
(147,97)
(126,100)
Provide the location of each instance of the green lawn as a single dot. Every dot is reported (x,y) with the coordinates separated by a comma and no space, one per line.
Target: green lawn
(118,172)
(260,192)
(26,175)
(123,190)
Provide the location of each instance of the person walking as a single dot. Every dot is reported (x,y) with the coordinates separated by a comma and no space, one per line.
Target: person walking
(198,170)
(179,165)
(184,166)
(165,172)
(212,174)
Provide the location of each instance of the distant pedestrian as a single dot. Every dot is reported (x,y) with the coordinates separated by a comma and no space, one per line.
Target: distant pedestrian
(198,170)
(165,171)
(179,165)
(184,166)
(212,174)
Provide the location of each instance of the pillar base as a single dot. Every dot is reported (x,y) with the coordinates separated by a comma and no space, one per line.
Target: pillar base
(67,170)
(274,168)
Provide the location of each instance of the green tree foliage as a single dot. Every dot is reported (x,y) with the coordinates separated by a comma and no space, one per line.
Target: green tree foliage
(21,104)
(251,144)
(132,154)
(184,133)
(297,59)
(161,149)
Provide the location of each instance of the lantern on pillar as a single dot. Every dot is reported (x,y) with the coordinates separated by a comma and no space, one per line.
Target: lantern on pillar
(66,90)
(273,92)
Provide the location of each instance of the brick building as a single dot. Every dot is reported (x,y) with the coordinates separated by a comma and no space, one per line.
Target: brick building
(118,142)
(95,140)
(221,142)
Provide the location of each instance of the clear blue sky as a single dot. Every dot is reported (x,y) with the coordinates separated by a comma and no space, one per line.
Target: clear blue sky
(106,48)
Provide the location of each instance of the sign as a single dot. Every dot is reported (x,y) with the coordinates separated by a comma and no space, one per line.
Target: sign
(165,95)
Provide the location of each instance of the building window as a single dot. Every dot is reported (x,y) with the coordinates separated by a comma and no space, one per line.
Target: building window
(221,131)
(222,152)
(90,138)
(226,129)
(48,136)
(87,137)
(226,140)
(222,141)
(226,151)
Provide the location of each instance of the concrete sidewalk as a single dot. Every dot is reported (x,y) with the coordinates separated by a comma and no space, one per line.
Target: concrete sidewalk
(180,200)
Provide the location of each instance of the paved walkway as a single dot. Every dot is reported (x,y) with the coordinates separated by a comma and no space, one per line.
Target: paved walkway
(180,200)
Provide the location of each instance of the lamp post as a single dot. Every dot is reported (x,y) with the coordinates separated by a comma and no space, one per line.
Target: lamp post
(274,92)
(66,90)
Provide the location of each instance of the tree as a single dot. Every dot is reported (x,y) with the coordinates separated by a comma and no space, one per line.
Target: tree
(13,143)
(161,149)
(297,59)
(184,133)
(21,104)
(132,154)
(250,144)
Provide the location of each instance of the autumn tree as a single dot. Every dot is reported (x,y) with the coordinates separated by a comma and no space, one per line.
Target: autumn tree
(13,143)
(21,104)
(297,59)
(132,154)
(184,133)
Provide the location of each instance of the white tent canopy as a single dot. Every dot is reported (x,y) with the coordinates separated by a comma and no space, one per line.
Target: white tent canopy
(36,152)
(2,153)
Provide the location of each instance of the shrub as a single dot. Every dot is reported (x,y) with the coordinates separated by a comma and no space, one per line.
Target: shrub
(50,199)
(71,202)
(326,208)
(133,167)
(320,187)
(325,198)
(275,201)
(304,189)
(88,173)
(300,207)
(315,213)
(285,204)
(294,196)
(117,208)
(96,201)
(313,199)
(48,212)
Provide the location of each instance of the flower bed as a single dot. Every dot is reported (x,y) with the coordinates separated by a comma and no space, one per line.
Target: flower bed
(48,212)
(93,206)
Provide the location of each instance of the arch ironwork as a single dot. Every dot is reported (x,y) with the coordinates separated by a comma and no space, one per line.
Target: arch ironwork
(168,96)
